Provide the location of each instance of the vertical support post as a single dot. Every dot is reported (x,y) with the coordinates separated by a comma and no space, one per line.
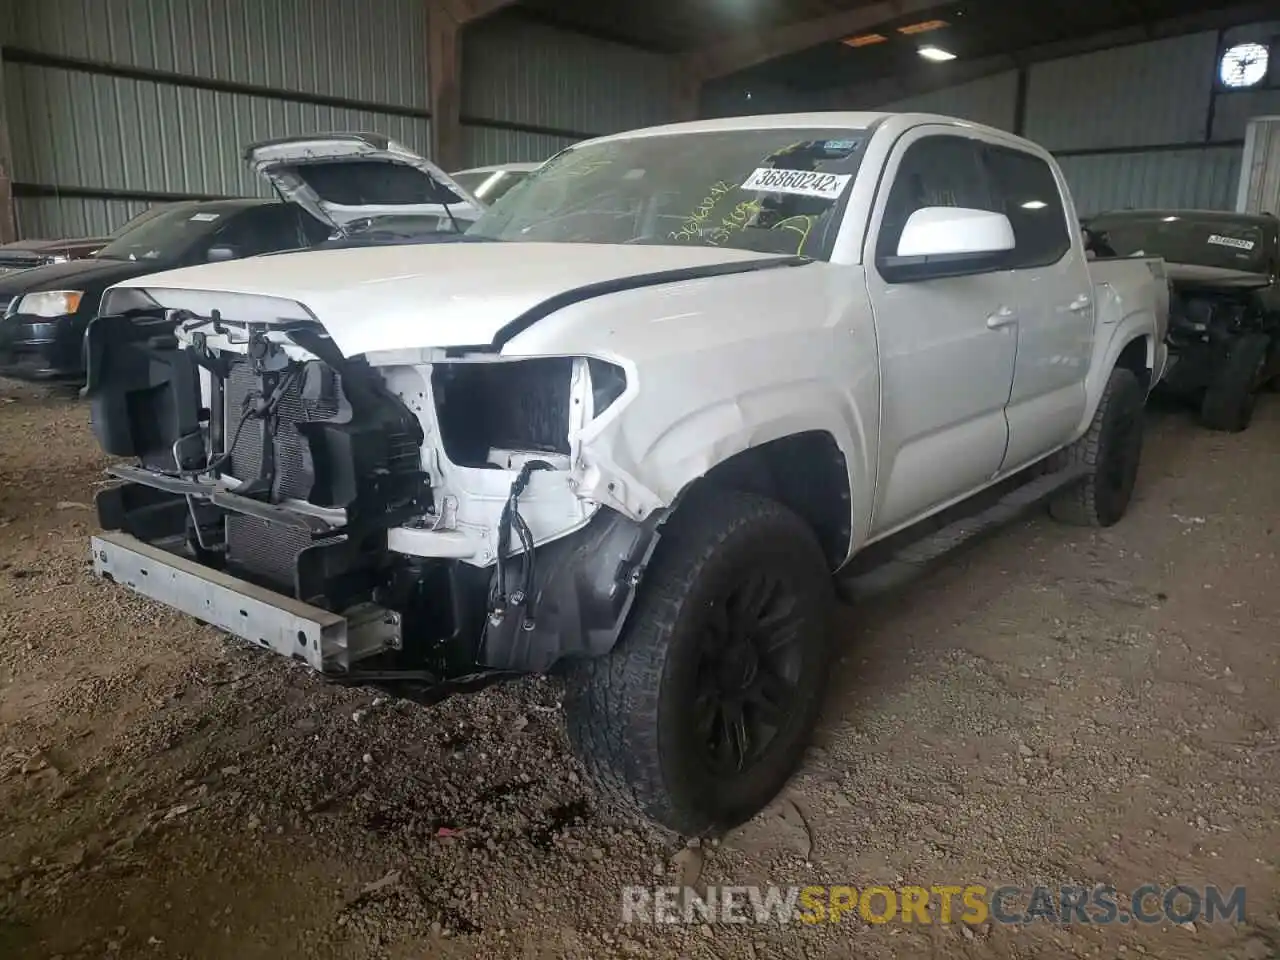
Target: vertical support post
(444,63)
(1020,100)
(8,218)
(687,95)
(1219,50)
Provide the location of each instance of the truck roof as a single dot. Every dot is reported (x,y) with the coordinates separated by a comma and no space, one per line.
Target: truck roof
(835,119)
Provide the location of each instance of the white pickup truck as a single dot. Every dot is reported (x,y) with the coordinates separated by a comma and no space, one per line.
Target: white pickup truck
(627,426)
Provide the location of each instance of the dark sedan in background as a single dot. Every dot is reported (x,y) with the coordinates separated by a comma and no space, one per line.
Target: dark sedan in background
(46,310)
(29,254)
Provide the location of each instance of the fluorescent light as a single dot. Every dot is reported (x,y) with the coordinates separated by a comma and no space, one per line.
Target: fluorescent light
(1034,205)
(923,27)
(936,54)
(864,40)
(1169,219)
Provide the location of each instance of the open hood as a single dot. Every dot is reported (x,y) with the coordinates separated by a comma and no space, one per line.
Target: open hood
(345,177)
(1191,275)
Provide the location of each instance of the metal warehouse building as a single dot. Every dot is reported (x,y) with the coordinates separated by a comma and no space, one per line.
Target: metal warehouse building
(111,105)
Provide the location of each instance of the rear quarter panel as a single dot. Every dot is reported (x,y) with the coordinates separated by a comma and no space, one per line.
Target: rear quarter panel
(1132,298)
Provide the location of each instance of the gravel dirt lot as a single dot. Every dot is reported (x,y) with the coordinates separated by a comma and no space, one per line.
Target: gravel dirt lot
(1053,706)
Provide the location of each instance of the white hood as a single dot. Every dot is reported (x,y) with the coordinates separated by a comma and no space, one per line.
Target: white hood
(343,177)
(414,296)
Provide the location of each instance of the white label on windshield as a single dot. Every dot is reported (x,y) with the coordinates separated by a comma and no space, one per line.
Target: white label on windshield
(1230,242)
(804,183)
(205,217)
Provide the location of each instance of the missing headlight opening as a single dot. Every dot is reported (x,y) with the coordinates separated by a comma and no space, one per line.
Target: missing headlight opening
(488,410)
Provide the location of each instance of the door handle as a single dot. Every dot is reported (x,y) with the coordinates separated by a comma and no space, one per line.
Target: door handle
(1001,318)
(1079,303)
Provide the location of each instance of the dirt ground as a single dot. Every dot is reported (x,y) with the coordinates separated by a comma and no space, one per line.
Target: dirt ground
(1054,706)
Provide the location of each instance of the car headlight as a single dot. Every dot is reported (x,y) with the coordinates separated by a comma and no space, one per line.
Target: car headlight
(50,303)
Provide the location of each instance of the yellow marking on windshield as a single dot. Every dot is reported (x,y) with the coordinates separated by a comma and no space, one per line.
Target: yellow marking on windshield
(803,228)
(692,225)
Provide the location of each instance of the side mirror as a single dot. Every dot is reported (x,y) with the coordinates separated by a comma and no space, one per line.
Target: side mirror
(222,251)
(948,242)
(954,231)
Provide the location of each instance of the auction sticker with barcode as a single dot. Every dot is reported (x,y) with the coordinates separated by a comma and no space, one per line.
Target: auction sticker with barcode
(1230,242)
(805,183)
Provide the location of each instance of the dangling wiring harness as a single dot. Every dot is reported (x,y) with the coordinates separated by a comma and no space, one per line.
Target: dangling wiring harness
(500,603)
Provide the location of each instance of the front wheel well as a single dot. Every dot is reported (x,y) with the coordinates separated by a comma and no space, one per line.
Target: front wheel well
(806,472)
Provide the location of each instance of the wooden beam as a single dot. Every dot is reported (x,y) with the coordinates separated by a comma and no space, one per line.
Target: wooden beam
(446,20)
(750,48)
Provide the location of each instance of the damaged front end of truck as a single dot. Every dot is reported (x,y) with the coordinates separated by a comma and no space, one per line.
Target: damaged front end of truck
(429,521)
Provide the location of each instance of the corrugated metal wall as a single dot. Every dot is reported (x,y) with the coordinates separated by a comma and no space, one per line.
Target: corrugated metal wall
(370,50)
(113,101)
(559,86)
(1260,186)
(991,100)
(74,217)
(1140,95)
(1137,125)
(732,97)
(1204,179)
(106,107)
(483,146)
(102,132)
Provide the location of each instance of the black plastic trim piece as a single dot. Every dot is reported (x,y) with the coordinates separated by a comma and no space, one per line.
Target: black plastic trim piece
(585,586)
(605,287)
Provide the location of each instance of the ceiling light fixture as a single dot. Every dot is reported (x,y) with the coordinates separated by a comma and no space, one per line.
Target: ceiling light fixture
(936,54)
(864,40)
(924,26)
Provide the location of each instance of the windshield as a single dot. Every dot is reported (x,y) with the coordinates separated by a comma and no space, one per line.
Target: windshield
(488,185)
(1178,238)
(140,219)
(770,190)
(165,236)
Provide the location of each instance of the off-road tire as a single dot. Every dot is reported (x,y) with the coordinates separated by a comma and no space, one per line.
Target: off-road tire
(630,714)
(1110,451)
(1230,398)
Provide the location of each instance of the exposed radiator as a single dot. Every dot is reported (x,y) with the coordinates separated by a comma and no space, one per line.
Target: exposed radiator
(295,472)
(268,551)
(264,550)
